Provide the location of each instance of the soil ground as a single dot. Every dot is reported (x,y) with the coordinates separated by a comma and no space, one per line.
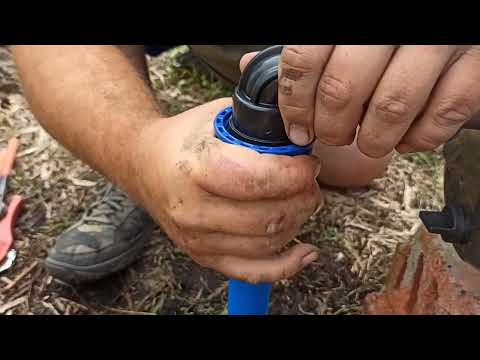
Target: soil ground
(357,231)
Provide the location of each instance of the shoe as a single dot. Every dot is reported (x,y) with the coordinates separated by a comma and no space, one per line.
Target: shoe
(110,236)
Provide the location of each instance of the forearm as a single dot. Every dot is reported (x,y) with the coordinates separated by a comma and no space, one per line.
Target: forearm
(92,99)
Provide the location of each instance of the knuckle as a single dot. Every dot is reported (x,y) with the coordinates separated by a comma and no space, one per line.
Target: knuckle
(278,223)
(392,109)
(288,272)
(452,113)
(373,145)
(334,137)
(473,51)
(182,218)
(298,113)
(335,94)
(208,263)
(309,206)
(203,261)
(187,242)
(296,60)
(302,172)
(442,50)
(423,142)
(263,247)
(276,244)
(302,184)
(177,218)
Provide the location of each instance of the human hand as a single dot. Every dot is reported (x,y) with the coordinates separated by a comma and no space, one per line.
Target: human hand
(409,98)
(230,208)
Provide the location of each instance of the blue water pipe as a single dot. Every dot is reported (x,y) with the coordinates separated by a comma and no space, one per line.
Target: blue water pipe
(245,298)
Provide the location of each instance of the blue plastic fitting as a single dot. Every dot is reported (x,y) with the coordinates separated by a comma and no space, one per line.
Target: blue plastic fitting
(244,298)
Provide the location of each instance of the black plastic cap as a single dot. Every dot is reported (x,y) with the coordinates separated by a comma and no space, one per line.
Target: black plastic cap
(451,223)
(256,117)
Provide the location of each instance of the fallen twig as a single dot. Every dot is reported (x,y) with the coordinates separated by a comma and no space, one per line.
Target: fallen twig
(12,304)
(6,280)
(21,275)
(50,307)
(126,312)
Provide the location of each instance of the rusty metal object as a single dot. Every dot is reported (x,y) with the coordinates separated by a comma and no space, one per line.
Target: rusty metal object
(462,185)
(427,277)
(459,222)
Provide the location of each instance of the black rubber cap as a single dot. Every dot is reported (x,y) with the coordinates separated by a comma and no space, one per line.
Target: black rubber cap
(256,116)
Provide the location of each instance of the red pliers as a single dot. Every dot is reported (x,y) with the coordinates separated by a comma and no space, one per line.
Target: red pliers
(8,211)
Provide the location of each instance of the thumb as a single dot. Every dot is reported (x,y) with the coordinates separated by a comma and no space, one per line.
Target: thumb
(246,59)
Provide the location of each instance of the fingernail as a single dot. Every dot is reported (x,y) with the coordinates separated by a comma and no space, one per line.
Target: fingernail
(309,258)
(404,149)
(299,135)
(273,228)
(276,225)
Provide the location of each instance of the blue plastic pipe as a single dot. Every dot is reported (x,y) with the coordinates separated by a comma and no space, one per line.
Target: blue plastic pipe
(248,299)
(244,298)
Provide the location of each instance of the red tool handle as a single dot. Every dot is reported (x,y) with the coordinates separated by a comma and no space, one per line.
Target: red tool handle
(8,157)
(8,223)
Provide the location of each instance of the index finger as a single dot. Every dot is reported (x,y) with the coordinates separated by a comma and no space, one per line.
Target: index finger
(300,69)
(239,173)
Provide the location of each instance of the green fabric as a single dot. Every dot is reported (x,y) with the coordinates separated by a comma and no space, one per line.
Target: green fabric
(224,59)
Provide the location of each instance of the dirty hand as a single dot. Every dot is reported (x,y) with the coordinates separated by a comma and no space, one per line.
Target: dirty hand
(231,209)
(408,98)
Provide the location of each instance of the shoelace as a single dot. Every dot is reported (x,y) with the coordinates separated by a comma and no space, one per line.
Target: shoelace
(104,210)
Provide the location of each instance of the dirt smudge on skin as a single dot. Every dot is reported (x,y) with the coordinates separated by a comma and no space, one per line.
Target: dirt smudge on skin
(292,74)
(177,204)
(203,145)
(286,90)
(286,78)
(184,167)
(189,142)
(198,143)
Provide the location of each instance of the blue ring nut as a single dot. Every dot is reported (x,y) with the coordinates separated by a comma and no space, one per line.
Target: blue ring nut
(222,133)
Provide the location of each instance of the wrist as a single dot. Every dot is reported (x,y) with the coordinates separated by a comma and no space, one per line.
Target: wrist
(141,157)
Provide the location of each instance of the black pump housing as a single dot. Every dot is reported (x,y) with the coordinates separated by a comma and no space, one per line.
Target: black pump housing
(256,117)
